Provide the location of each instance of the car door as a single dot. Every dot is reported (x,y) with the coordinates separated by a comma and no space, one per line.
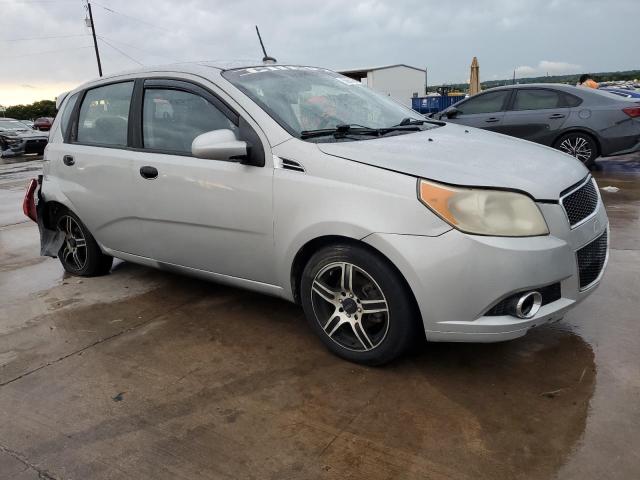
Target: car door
(210,215)
(485,110)
(93,166)
(537,114)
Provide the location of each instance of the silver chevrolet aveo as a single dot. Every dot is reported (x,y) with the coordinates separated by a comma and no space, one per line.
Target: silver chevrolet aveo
(301,183)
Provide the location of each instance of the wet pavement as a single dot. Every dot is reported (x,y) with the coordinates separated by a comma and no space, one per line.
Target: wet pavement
(144,374)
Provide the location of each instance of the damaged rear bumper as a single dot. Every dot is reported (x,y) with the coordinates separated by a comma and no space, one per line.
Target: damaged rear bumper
(34,207)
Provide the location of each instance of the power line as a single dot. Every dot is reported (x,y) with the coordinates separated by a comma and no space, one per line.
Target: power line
(16,2)
(111,10)
(48,51)
(120,51)
(148,52)
(41,38)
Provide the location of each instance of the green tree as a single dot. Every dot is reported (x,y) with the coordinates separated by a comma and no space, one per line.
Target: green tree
(42,108)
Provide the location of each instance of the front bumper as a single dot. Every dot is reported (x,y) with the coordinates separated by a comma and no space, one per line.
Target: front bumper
(11,146)
(456,278)
(35,145)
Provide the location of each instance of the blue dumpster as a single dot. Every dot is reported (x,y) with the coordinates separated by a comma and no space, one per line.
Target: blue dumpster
(426,105)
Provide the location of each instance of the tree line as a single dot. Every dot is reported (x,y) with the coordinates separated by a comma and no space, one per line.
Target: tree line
(43,108)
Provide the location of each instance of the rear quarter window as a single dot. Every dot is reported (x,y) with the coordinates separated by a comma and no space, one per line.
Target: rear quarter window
(67,111)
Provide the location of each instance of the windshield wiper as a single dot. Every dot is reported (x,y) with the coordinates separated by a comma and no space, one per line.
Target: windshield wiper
(411,121)
(354,129)
(339,131)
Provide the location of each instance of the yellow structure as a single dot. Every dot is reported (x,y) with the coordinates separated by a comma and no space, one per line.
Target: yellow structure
(474,79)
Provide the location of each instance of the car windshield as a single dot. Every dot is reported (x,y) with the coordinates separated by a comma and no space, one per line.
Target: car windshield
(12,125)
(309,99)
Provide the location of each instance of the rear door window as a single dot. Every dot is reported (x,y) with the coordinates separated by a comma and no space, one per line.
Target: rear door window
(489,102)
(171,119)
(537,99)
(104,115)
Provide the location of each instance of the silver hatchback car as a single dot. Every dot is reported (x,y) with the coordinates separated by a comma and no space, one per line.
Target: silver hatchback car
(298,182)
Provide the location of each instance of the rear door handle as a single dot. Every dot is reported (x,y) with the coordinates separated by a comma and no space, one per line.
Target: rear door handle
(557,115)
(492,120)
(148,172)
(68,160)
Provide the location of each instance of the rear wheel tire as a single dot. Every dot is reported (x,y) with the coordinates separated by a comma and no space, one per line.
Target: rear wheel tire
(358,305)
(80,254)
(579,145)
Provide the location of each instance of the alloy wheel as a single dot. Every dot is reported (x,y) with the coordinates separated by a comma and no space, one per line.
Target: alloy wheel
(350,306)
(74,249)
(577,146)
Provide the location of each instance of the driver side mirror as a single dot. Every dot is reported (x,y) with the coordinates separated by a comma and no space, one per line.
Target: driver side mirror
(220,145)
(451,112)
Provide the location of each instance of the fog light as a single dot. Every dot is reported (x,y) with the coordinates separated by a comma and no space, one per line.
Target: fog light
(528,305)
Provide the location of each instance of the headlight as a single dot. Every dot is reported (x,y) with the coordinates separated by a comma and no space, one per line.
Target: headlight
(483,211)
(11,140)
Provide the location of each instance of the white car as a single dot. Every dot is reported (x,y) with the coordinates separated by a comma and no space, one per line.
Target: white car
(301,183)
(18,138)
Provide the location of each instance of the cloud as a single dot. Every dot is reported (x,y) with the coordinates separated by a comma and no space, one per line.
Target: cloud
(443,36)
(558,68)
(547,67)
(525,70)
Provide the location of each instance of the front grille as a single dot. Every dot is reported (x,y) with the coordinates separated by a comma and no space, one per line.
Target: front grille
(550,293)
(580,203)
(591,260)
(33,146)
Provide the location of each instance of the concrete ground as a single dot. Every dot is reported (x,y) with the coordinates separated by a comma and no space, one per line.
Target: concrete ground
(144,374)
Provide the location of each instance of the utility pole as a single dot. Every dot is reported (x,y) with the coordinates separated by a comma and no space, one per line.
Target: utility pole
(95,41)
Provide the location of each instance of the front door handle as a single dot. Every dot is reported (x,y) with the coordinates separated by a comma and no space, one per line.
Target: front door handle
(148,172)
(68,160)
(492,120)
(557,115)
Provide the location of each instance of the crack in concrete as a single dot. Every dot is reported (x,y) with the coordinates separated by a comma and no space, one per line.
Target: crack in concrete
(97,342)
(42,473)
(75,352)
(349,423)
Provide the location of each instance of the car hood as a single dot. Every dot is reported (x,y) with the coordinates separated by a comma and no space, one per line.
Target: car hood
(24,134)
(468,156)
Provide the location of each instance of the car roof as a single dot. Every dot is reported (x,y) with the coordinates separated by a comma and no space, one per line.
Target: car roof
(196,68)
(595,96)
(203,68)
(559,86)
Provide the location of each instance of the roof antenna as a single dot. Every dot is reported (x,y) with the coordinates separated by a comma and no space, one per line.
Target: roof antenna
(267,60)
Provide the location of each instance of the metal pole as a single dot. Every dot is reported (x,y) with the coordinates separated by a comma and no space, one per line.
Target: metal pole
(95,41)
(266,59)
(426,83)
(261,44)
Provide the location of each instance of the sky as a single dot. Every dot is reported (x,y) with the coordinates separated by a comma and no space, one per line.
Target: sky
(46,48)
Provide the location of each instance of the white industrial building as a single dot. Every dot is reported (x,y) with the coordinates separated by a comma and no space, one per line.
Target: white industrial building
(400,81)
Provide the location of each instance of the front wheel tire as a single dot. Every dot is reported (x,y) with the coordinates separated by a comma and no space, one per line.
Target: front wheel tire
(80,254)
(579,145)
(358,305)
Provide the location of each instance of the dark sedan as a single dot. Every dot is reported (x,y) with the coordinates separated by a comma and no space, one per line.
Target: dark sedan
(583,122)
